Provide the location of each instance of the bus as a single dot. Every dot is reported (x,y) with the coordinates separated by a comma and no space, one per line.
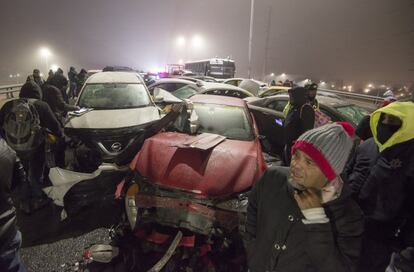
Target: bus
(218,68)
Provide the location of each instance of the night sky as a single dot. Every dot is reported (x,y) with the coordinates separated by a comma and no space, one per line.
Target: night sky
(352,40)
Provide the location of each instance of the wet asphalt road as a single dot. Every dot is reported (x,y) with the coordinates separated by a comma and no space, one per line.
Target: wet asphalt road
(56,256)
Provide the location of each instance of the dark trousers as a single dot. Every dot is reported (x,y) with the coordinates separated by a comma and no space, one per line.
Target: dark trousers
(10,257)
(34,165)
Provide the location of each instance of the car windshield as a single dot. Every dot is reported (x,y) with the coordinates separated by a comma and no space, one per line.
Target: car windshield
(184,92)
(229,121)
(353,113)
(114,96)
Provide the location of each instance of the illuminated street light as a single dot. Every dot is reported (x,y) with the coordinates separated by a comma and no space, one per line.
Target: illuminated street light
(180,61)
(272,74)
(367,90)
(370,85)
(45,54)
(197,41)
(283,74)
(181,41)
(10,76)
(332,86)
(54,67)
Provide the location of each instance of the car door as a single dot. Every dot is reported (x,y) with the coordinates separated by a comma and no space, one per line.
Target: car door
(270,125)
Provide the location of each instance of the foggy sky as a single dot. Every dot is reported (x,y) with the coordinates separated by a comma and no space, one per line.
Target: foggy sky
(353,40)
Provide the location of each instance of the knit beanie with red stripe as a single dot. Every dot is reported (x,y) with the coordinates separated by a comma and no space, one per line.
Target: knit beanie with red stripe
(329,147)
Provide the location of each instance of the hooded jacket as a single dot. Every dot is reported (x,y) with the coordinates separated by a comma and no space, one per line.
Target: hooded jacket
(301,116)
(388,192)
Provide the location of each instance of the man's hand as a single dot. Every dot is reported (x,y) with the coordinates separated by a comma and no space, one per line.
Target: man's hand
(308,199)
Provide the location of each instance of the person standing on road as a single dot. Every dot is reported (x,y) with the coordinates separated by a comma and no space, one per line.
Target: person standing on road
(82,76)
(36,77)
(386,196)
(60,81)
(300,118)
(12,174)
(303,218)
(73,81)
(28,136)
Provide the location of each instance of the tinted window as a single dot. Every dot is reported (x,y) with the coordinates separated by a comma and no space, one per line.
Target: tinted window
(114,96)
(277,105)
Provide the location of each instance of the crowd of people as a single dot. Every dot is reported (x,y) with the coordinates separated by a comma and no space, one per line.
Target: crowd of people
(333,206)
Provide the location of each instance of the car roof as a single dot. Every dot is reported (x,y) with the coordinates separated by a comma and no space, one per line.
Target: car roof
(114,77)
(218,99)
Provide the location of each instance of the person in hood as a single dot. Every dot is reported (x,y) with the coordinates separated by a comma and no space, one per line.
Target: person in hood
(73,81)
(34,163)
(36,77)
(300,118)
(82,76)
(50,75)
(60,81)
(303,218)
(387,195)
(312,92)
(12,175)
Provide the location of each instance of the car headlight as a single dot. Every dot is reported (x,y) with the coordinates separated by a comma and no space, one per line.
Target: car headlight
(130,205)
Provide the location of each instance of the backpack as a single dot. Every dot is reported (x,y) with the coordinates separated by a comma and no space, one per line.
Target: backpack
(21,126)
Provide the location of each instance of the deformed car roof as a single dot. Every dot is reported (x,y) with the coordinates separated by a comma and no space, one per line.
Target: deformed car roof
(114,77)
(218,99)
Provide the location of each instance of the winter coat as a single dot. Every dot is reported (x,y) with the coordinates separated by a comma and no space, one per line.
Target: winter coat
(12,174)
(60,82)
(48,120)
(387,194)
(53,97)
(301,116)
(358,168)
(277,239)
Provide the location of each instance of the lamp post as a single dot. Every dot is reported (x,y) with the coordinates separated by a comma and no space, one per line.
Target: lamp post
(249,71)
(45,54)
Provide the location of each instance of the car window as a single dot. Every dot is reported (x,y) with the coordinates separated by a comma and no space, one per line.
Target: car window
(277,105)
(353,113)
(230,93)
(231,122)
(184,92)
(114,96)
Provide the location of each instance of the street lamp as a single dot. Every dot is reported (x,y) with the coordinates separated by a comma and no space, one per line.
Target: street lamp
(367,90)
(197,42)
(283,75)
(45,54)
(54,67)
(181,41)
(272,74)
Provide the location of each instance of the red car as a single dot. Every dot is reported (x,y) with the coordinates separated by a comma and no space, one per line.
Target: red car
(195,177)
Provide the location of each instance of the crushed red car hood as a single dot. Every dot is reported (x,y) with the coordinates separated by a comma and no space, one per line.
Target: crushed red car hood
(229,167)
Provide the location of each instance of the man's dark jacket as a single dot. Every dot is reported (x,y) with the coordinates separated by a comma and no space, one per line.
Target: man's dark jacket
(12,174)
(60,82)
(362,161)
(278,240)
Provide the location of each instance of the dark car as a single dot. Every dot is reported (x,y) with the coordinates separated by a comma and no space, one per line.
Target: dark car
(268,112)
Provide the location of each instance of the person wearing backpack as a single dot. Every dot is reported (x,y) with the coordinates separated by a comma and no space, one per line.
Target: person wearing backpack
(300,118)
(23,123)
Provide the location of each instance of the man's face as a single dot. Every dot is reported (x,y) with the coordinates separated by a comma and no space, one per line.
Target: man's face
(312,94)
(305,173)
(36,74)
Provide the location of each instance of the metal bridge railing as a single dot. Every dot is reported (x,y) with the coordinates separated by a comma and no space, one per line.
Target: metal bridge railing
(10,89)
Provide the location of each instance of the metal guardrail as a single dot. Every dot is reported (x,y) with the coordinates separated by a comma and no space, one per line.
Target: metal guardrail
(363,97)
(10,89)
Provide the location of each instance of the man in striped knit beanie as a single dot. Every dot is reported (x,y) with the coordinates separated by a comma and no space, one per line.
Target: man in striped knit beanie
(303,218)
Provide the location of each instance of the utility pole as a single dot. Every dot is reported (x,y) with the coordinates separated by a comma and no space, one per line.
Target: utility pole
(249,71)
(269,22)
